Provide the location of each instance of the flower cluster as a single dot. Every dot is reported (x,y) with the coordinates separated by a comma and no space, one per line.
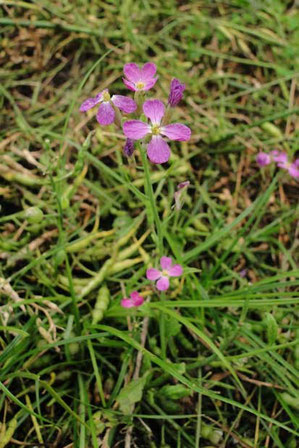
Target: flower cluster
(281,160)
(161,277)
(155,128)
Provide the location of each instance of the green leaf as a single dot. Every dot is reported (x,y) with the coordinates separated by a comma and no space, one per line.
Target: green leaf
(272,328)
(131,394)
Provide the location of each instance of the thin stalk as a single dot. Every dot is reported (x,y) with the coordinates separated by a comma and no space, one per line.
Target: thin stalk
(150,195)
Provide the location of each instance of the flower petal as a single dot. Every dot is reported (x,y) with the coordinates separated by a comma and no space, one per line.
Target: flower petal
(165,262)
(135,129)
(153,274)
(162,284)
(263,159)
(175,271)
(91,102)
(149,84)
(128,303)
(294,169)
(136,298)
(132,72)
(280,157)
(124,103)
(105,114)
(158,150)
(130,85)
(148,71)
(176,131)
(154,110)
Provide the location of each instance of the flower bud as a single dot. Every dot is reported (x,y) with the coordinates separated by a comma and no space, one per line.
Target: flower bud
(263,159)
(129,147)
(176,92)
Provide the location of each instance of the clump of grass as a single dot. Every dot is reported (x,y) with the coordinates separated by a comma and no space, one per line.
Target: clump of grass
(76,368)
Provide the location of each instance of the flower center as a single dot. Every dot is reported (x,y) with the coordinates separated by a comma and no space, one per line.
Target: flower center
(139,85)
(155,129)
(165,273)
(106,96)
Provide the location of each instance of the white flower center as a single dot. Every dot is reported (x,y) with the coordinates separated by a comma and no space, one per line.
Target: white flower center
(155,129)
(165,273)
(139,85)
(106,96)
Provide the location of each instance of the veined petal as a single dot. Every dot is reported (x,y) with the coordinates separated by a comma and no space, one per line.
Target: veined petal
(176,131)
(162,284)
(136,298)
(158,150)
(127,303)
(91,102)
(165,262)
(149,84)
(105,114)
(154,110)
(294,169)
(148,71)
(132,72)
(153,274)
(130,85)
(124,103)
(135,129)
(175,271)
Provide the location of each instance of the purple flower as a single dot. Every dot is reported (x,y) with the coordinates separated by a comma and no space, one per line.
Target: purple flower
(184,184)
(176,92)
(158,150)
(106,112)
(294,169)
(168,270)
(129,147)
(280,157)
(140,78)
(263,159)
(135,300)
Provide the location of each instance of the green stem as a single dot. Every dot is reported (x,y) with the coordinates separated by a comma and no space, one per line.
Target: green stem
(150,195)
(151,198)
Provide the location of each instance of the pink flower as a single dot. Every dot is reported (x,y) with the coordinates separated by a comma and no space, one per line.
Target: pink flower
(176,92)
(263,159)
(280,157)
(294,169)
(135,300)
(168,270)
(158,150)
(106,112)
(140,78)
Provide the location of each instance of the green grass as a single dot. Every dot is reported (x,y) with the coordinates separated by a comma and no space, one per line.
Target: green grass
(214,362)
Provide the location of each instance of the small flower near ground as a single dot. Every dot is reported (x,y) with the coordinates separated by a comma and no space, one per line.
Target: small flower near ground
(176,92)
(140,79)
(106,112)
(294,169)
(134,300)
(180,190)
(281,160)
(158,150)
(129,147)
(263,159)
(162,277)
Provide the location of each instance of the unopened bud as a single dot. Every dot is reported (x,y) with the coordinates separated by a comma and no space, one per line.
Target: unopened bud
(176,92)
(129,147)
